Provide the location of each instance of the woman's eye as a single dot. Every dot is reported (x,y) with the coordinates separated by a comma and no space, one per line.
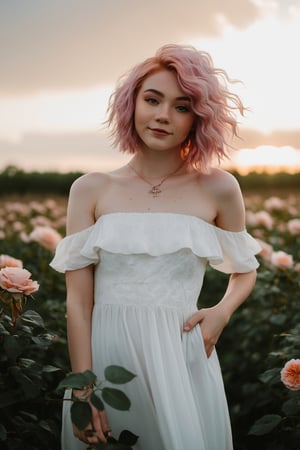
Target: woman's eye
(151,101)
(182,108)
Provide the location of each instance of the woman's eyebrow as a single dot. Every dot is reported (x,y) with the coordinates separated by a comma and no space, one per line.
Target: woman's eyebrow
(160,94)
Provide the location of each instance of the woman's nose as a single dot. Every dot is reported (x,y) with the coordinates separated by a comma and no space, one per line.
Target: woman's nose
(163,113)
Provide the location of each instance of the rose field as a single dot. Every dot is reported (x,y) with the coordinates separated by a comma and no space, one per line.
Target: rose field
(259,350)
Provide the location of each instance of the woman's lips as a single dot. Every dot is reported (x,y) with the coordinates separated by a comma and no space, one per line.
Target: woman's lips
(159,131)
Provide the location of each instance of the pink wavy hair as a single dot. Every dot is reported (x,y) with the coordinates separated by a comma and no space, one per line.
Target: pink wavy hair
(213,104)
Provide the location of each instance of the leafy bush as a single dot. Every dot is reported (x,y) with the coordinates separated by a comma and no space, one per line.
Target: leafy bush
(29,406)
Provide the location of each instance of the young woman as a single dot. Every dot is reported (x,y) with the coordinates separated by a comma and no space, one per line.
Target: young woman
(139,239)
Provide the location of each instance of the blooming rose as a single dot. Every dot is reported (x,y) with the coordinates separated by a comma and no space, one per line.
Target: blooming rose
(16,279)
(265,219)
(275,203)
(290,375)
(266,250)
(9,261)
(262,218)
(46,236)
(281,260)
(293,226)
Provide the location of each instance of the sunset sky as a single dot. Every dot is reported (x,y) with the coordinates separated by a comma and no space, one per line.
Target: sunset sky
(60,60)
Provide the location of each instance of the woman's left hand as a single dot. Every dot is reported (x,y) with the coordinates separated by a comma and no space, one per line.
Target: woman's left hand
(212,321)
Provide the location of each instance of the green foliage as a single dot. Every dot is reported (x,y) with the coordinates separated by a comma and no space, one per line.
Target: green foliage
(29,412)
(14,180)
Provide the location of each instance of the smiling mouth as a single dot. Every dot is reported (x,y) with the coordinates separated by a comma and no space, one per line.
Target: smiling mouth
(159,131)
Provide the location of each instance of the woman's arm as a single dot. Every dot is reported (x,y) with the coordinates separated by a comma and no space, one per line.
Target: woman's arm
(80,301)
(230,216)
(213,320)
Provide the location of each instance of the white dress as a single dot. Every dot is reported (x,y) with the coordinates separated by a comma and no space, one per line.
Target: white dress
(149,270)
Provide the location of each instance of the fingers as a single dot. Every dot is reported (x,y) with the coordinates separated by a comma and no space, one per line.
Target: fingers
(96,431)
(193,320)
(207,334)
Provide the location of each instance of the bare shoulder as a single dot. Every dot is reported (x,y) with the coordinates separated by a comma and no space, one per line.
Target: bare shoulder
(88,182)
(83,199)
(223,183)
(228,197)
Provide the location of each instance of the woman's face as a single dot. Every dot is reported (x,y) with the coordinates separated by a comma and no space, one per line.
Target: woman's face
(163,114)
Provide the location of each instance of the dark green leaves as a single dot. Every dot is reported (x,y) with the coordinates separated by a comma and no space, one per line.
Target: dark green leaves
(266,424)
(116,398)
(81,414)
(96,401)
(78,380)
(118,375)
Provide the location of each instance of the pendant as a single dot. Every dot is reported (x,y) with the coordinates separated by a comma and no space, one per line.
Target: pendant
(155,191)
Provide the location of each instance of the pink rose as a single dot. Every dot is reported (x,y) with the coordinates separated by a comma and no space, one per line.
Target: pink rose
(275,203)
(46,236)
(281,260)
(264,219)
(266,249)
(9,261)
(15,279)
(290,375)
(293,226)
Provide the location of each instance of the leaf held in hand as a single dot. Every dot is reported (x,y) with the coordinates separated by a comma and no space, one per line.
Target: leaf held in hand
(118,375)
(116,399)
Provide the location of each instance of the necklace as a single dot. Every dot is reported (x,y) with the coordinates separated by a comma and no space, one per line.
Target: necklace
(155,188)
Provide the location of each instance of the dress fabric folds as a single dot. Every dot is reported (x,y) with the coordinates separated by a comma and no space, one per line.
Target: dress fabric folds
(149,270)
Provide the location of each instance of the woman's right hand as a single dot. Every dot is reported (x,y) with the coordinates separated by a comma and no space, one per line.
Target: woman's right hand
(97,430)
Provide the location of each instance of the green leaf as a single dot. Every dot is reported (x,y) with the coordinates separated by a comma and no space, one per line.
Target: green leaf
(118,375)
(271,376)
(77,380)
(90,377)
(50,369)
(81,414)
(96,401)
(43,340)
(265,424)
(116,399)
(128,438)
(32,317)
(291,407)
(26,362)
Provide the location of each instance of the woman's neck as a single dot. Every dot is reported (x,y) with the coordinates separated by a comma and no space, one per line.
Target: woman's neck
(157,165)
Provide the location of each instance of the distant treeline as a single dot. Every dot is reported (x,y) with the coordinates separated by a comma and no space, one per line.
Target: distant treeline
(16,181)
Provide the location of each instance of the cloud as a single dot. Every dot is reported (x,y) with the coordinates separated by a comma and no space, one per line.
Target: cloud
(74,44)
(62,152)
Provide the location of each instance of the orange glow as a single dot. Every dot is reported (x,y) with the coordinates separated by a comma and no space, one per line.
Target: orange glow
(266,159)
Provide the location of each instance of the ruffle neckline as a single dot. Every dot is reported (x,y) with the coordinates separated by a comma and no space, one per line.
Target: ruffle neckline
(156,234)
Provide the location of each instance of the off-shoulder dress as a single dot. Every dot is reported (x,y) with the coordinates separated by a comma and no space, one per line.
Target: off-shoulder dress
(149,270)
